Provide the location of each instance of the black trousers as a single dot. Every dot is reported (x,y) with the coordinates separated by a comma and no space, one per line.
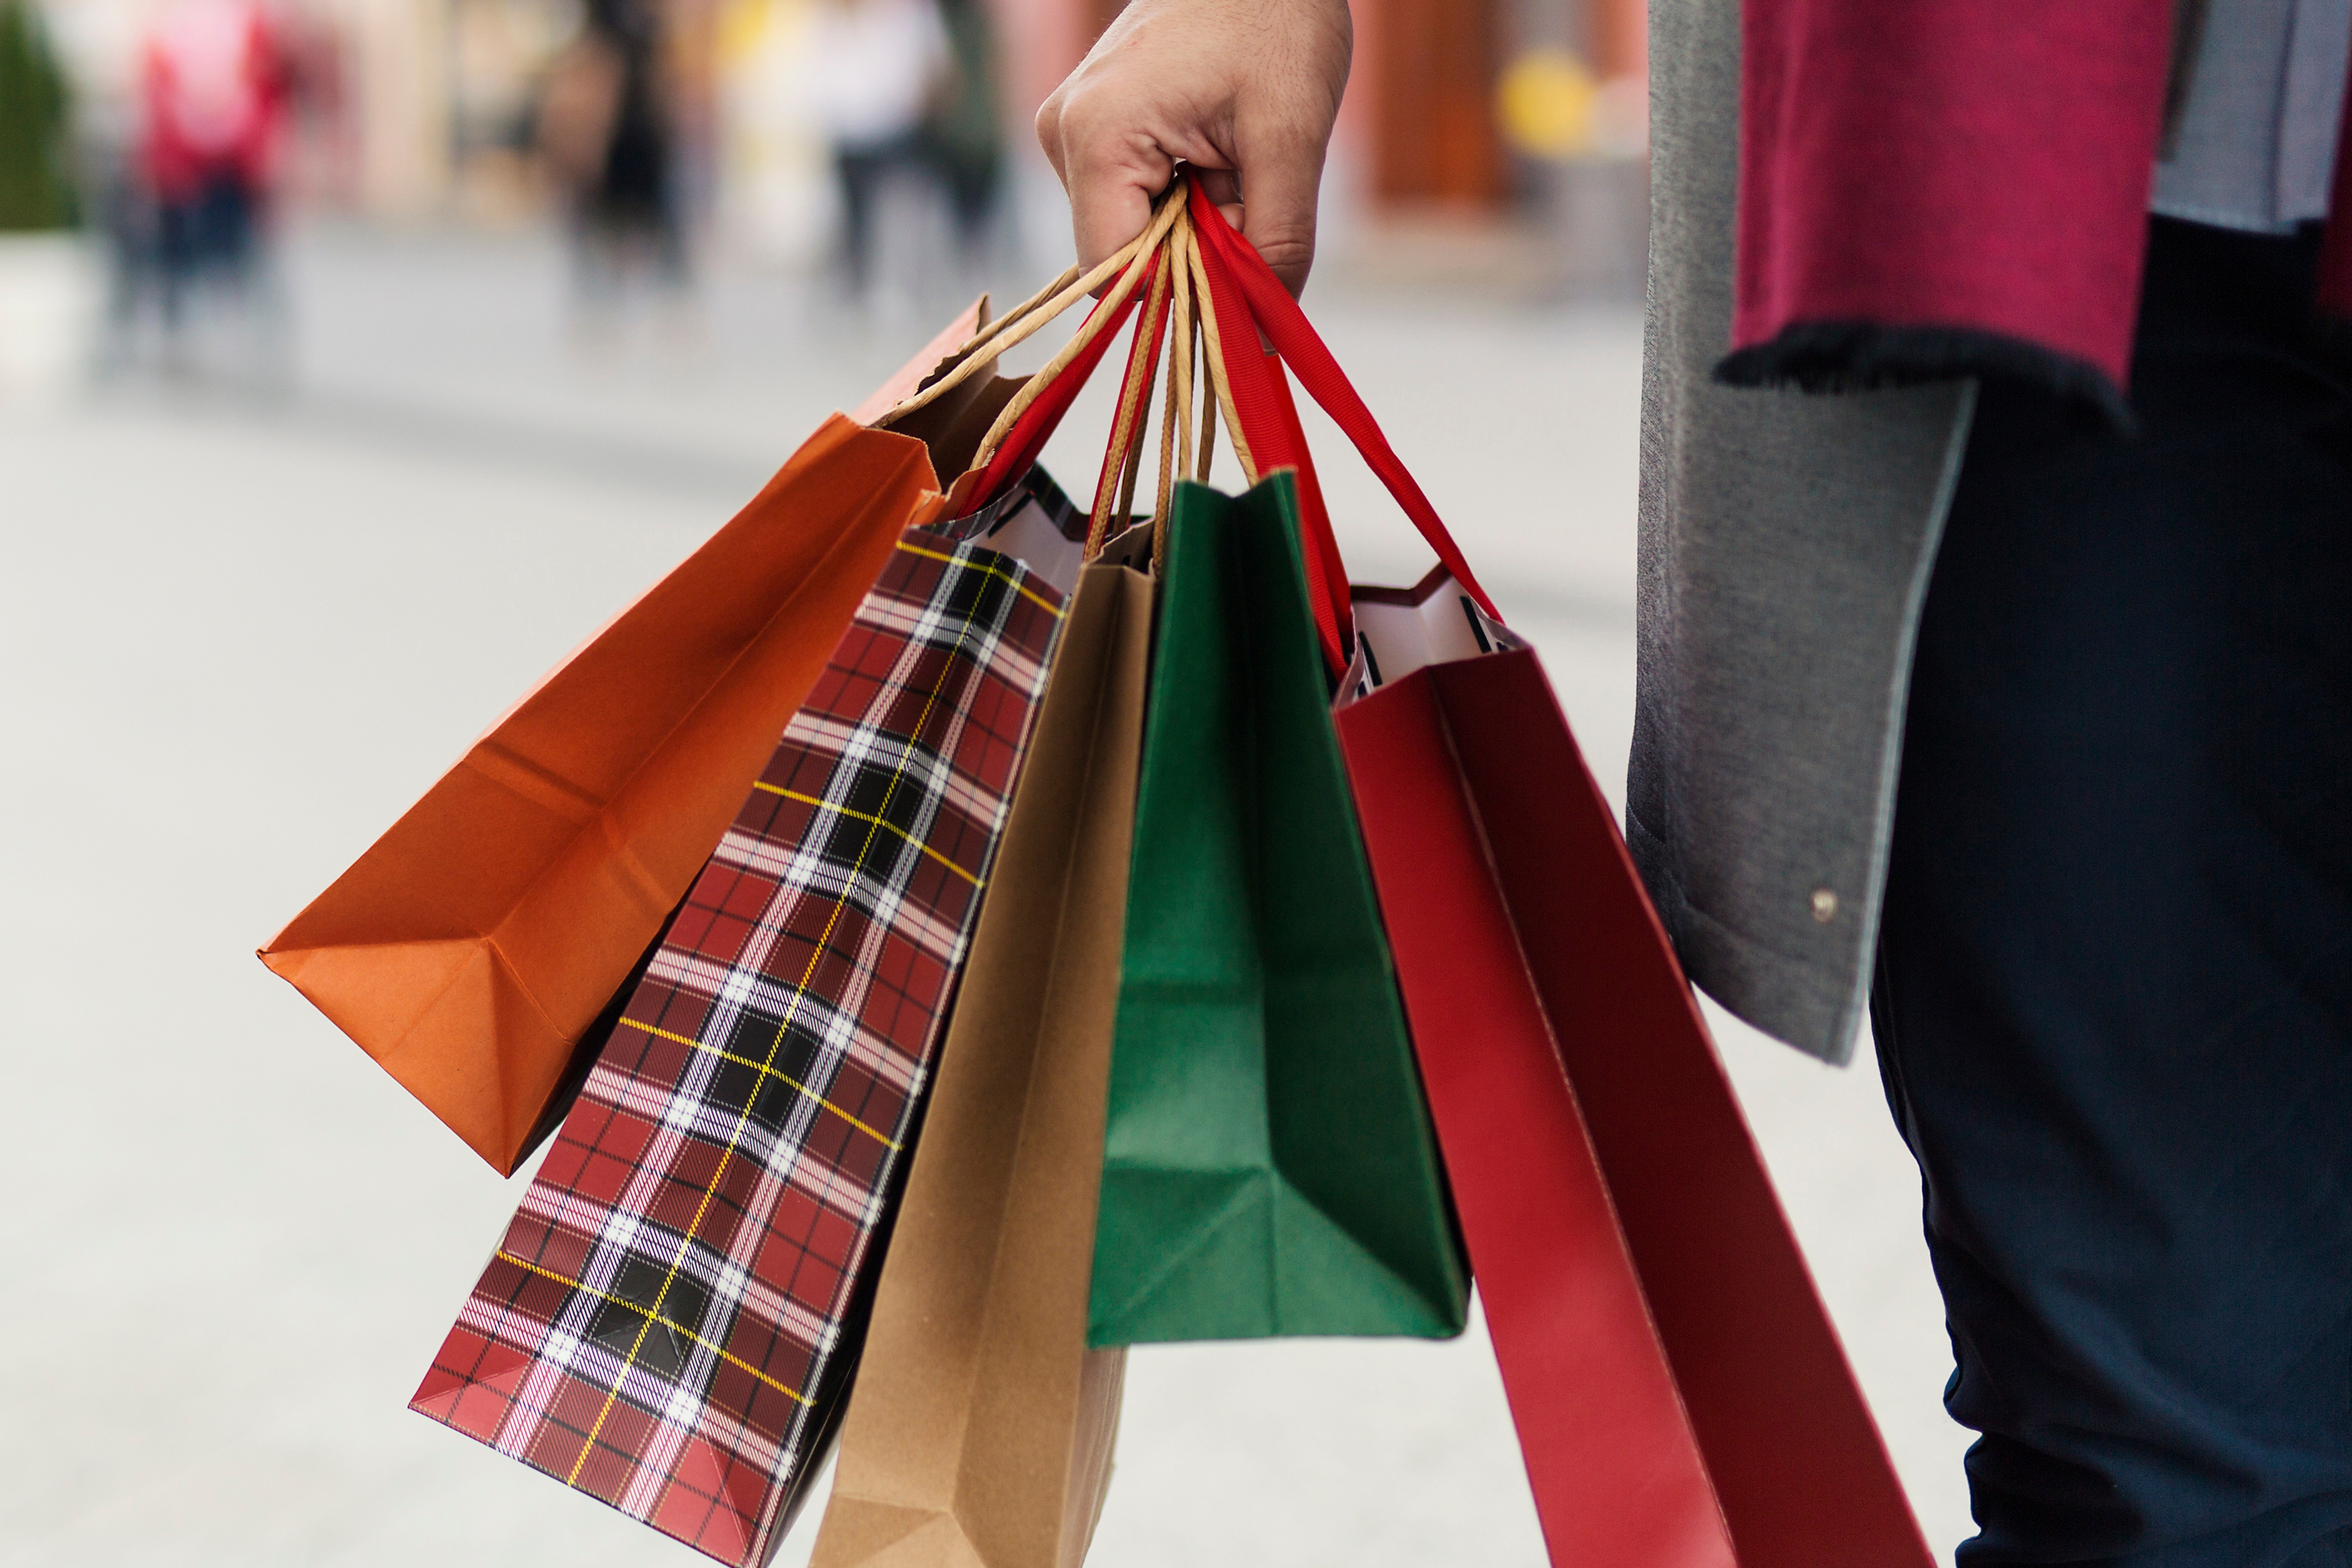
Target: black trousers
(2114,999)
(862,169)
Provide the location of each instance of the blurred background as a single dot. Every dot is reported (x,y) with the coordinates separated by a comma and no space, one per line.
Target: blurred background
(357,359)
(183,183)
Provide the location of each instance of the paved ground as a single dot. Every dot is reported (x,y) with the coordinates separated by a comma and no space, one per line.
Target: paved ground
(243,636)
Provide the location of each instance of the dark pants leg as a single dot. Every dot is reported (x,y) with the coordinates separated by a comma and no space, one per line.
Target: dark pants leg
(862,170)
(971,181)
(2114,1002)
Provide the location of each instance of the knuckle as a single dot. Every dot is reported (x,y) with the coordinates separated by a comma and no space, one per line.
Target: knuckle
(1289,252)
(1289,257)
(1081,113)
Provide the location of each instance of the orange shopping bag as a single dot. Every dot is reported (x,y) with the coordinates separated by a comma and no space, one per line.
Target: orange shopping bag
(474,945)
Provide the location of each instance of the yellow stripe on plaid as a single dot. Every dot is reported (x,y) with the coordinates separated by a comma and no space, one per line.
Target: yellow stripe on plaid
(866,816)
(765,1071)
(969,565)
(721,1352)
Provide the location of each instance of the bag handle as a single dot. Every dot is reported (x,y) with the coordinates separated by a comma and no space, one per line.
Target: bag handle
(1115,489)
(1182,313)
(1242,288)
(1016,325)
(1267,436)
(1022,427)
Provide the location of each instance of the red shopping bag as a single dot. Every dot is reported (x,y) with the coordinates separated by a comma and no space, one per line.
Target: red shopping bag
(1680,1396)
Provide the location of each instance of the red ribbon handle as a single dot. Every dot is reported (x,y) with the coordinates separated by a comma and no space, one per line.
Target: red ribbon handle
(1269,423)
(1261,403)
(1037,422)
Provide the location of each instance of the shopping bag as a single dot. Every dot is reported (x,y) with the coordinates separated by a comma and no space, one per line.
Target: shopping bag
(472,947)
(1679,1392)
(669,1321)
(980,1428)
(1268,1167)
(981,1425)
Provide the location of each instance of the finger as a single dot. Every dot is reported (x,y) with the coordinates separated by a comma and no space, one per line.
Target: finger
(1106,212)
(1112,176)
(1282,173)
(1220,186)
(1105,215)
(1049,133)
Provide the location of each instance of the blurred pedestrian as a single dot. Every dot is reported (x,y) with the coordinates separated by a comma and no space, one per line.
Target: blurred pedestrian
(875,68)
(607,134)
(964,131)
(36,192)
(1996,663)
(213,85)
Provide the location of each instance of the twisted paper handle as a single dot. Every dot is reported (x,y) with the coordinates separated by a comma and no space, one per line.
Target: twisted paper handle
(1166,261)
(1131,263)
(1181,275)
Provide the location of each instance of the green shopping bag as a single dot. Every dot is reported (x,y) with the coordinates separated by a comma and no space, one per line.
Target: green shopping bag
(1268,1167)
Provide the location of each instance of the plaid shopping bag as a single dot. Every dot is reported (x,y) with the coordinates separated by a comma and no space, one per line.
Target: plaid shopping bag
(670,1319)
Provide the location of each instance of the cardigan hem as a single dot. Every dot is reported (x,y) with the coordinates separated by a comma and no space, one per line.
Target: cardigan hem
(1855,357)
(1784,994)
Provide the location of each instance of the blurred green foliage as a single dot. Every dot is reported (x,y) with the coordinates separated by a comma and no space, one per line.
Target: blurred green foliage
(37,188)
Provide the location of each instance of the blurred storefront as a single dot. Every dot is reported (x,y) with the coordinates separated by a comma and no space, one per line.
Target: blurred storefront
(1503,137)
(1489,143)
(1500,143)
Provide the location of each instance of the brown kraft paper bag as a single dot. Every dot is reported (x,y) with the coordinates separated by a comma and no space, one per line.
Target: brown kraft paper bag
(980,1428)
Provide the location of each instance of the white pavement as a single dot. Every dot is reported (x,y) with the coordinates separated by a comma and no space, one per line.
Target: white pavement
(241,638)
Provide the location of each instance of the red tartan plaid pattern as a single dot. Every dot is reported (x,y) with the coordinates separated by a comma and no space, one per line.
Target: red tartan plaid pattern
(663,1326)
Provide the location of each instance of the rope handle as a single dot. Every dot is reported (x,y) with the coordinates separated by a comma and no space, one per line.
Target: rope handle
(1017,325)
(1214,287)
(1182,317)
(1115,489)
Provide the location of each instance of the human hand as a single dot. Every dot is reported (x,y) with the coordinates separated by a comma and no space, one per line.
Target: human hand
(1245,91)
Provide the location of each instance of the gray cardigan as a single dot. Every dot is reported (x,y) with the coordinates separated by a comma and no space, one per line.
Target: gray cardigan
(1786,541)
(1786,538)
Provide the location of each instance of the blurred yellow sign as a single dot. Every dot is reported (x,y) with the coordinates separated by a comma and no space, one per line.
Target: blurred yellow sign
(1545,102)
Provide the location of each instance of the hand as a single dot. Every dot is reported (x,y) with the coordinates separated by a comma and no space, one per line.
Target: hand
(1244,89)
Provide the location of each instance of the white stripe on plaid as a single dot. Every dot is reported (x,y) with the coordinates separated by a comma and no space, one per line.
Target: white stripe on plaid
(688,970)
(822,733)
